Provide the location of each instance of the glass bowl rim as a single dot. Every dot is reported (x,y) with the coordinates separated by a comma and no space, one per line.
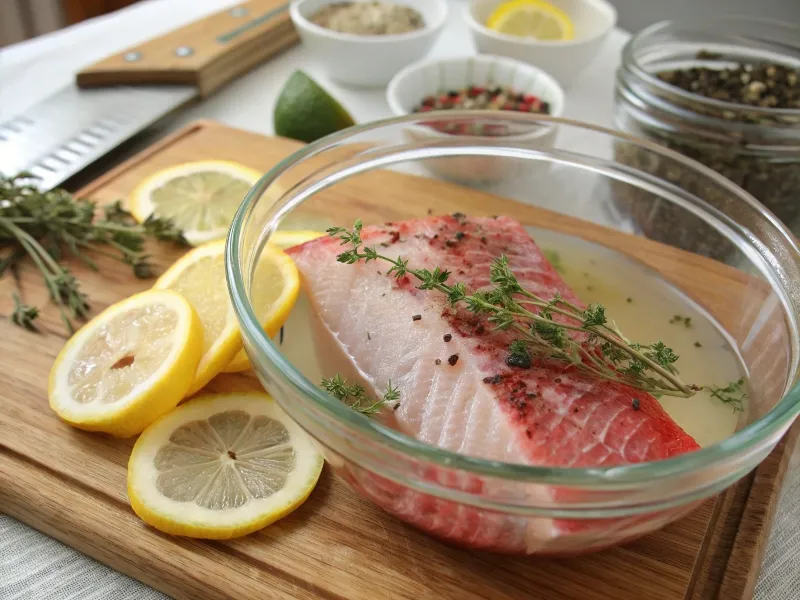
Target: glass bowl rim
(748,438)
(631,63)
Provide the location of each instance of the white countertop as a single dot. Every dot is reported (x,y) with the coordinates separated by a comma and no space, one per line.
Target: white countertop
(33,566)
(34,69)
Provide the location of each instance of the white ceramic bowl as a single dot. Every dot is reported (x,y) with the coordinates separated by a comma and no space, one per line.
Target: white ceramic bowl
(412,84)
(593,20)
(367,60)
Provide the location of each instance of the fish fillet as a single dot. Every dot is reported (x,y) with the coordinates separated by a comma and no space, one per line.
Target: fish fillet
(457,392)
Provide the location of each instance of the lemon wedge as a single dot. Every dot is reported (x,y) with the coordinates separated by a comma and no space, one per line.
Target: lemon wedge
(276,284)
(532,18)
(129,365)
(200,197)
(221,466)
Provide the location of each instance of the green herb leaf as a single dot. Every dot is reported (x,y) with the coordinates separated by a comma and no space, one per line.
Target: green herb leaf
(47,226)
(594,316)
(356,397)
(734,394)
(23,315)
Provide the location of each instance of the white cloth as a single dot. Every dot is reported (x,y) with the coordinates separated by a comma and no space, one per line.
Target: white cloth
(36,567)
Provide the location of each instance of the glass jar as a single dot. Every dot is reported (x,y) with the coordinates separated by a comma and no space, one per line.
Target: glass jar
(756,148)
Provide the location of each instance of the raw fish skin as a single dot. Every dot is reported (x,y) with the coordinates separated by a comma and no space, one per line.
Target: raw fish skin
(459,394)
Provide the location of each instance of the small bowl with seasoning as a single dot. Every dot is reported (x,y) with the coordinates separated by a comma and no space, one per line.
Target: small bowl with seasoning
(560,36)
(366,43)
(485,86)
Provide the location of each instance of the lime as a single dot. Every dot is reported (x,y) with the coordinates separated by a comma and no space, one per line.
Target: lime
(306,112)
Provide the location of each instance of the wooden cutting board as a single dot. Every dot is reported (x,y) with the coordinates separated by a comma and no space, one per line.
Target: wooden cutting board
(71,484)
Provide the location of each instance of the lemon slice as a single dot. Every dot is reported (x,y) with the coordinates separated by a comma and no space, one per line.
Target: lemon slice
(129,365)
(199,276)
(276,284)
(221,466)
(200,197)
(532,18)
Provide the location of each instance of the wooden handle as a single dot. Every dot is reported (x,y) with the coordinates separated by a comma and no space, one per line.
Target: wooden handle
(207,53)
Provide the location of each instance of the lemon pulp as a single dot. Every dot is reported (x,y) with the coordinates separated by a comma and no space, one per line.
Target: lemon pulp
(221,466)
(532,18)
(129,365)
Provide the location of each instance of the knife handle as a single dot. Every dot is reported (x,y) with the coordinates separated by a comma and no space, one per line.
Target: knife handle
(206,53)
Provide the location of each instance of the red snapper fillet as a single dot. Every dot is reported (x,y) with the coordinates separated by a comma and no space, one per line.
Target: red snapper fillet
(457,392)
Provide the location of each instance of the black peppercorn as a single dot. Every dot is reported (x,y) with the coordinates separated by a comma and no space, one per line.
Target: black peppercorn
(522,361)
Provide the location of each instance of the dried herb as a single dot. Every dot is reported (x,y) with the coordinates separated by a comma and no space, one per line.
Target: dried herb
(734,394)
(47,226)
(356,397)
(368,18)
(681,320)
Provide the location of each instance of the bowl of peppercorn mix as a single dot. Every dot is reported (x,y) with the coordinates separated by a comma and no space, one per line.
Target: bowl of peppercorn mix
(365,43)
(487,86)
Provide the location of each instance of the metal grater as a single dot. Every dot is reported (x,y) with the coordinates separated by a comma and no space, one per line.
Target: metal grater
(71,129)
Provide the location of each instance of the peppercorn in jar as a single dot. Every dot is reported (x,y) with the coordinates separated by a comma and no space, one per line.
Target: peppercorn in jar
(718,93)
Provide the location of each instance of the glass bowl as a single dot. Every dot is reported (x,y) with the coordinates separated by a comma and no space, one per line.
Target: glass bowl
(515,508)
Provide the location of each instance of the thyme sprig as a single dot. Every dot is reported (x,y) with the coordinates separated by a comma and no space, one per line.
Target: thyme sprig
(23,315)
(605,352)
(355,396)
(47,226)
(734,394)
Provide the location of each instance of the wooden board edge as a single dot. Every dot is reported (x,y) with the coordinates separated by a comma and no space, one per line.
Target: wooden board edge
(155,148)
(718,540)
(752,535)
(730,560)
(33,503)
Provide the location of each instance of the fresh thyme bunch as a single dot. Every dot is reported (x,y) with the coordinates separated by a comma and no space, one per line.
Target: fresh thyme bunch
(47,226)
(605,352)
